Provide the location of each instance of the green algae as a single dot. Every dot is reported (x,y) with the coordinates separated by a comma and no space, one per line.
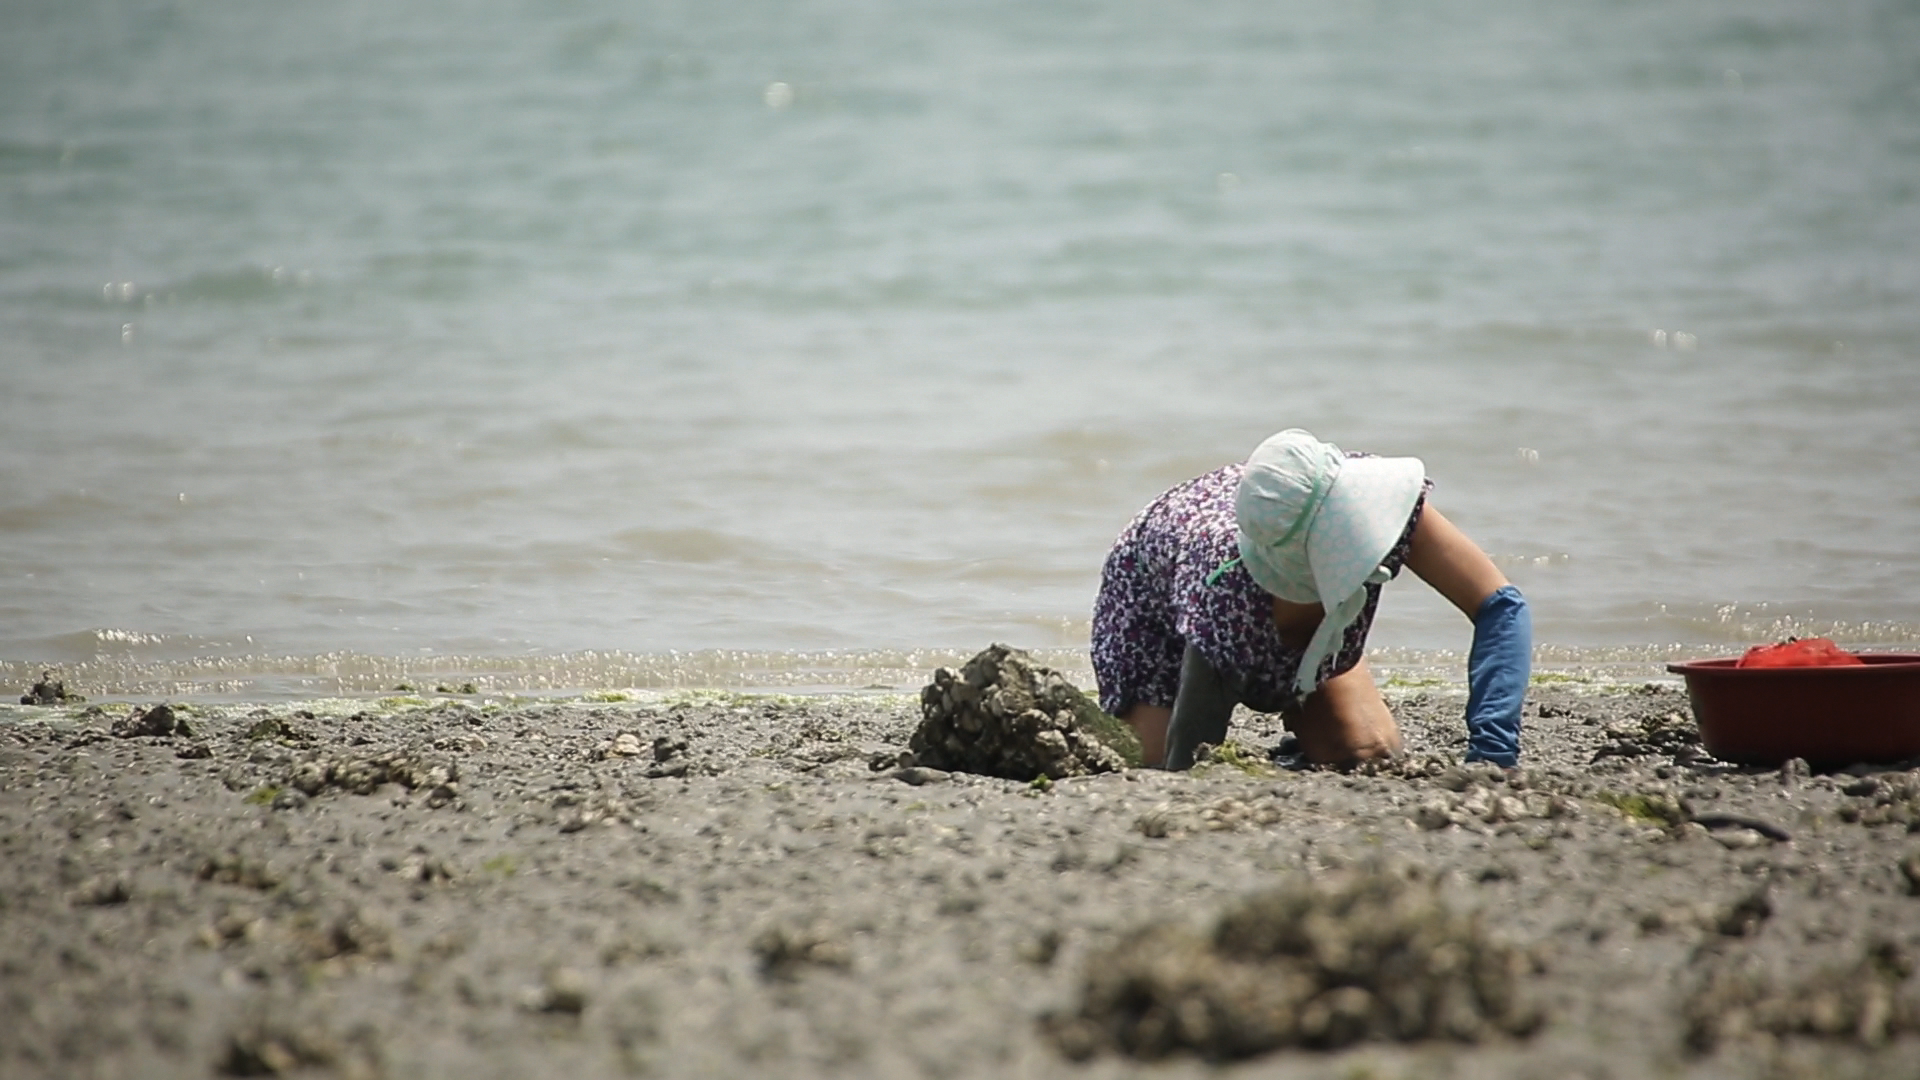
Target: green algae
(1655,809)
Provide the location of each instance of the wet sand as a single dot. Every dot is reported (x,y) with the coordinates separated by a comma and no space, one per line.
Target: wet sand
(731,885)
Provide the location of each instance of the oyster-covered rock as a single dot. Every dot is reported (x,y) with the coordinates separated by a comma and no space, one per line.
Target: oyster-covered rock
(1372,956)
(1003,715)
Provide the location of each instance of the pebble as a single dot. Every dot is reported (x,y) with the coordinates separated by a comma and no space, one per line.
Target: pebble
(102,891)
(565,991)
(1433,814)
(1910,870)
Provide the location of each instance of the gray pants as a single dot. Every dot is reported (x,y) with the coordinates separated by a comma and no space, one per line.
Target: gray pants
(1200,710)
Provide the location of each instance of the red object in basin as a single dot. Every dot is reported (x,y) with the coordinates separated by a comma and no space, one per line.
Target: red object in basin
(1800,652)
(1834,715)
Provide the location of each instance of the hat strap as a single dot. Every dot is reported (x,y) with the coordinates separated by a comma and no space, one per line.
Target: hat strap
(1219,571)
(1331,634)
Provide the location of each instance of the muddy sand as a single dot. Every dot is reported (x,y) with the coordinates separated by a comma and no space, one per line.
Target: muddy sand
(721,885)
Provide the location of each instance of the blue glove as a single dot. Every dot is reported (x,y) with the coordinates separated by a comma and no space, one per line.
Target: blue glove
(1497,671)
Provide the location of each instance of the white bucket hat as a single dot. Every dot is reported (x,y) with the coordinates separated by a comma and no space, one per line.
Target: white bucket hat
(1315,525)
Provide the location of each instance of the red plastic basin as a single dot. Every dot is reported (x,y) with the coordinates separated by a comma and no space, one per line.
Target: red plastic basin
(1827,715)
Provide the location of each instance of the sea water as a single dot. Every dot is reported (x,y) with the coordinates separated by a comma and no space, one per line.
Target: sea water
(591,343)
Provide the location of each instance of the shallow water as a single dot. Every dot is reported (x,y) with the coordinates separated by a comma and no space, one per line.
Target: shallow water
(796,344)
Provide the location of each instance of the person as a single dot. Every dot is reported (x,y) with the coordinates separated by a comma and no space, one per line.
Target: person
(1257,583)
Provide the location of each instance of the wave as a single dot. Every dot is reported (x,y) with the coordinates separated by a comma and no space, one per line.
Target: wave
(30,157)
(101,644)
(240,285)
(1741,626)
(693,545)
(53,510)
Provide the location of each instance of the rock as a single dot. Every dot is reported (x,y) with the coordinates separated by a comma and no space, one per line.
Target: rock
(276,729)
(626,744)
(104,891)
(1229,813)
(472,744)
(1861,1003)
(1367,956)
(1668,734)
(264,1051)
(1157,823)
(235,869)
(349,935)
(785,952)
(1739,839)
(1715,819)
(419,867)
(1910,870)
(1649,807)
(160,720)
(49,691)
(1675,916)
(563,991)
(1506,808)
(960,902)
(1003,715)
(1481,804)
(1040,949)
(1743,917)
(235,924)
(1864,787)
(310,777)
(1433,814)
(1477,803)
(365,775)
(1105,858)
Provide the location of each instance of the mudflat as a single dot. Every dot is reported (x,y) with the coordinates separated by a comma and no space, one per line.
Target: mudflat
(725,885)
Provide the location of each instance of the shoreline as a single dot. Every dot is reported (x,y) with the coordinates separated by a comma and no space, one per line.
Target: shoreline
(133,677)
(304,681)
(473,891)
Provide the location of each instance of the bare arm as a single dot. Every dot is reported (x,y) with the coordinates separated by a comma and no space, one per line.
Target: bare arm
(1500,662)
(1455,566)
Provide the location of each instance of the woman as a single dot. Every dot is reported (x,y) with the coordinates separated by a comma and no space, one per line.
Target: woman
(1257,583)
